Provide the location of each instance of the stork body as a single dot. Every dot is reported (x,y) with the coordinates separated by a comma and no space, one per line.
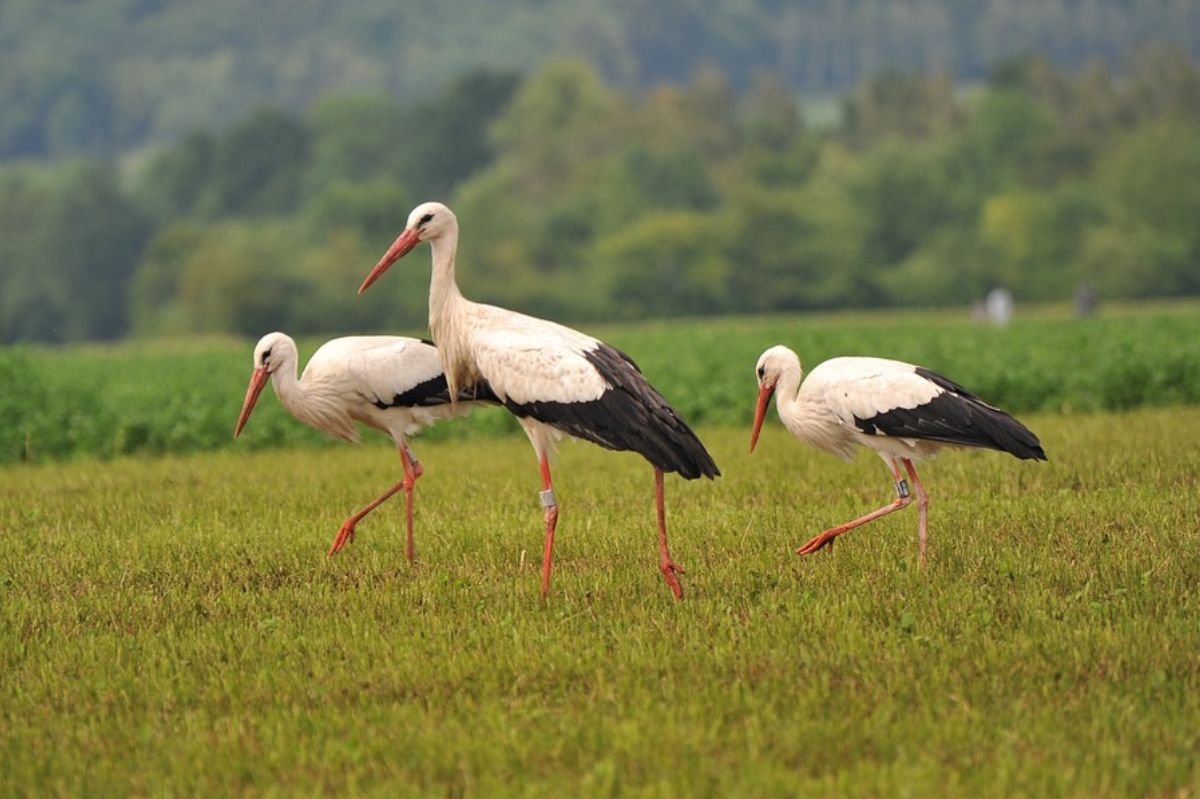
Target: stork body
(555,380)
(904,413)
(390,383)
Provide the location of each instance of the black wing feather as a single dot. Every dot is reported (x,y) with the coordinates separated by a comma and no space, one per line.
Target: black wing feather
(956,416)
(629,416)
(435,391)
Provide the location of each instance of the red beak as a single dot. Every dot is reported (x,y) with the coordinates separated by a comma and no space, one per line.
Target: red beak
(760,413)
(400,247)
(257,381)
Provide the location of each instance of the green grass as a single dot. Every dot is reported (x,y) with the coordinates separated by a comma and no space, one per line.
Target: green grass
(172,626)
(177,396)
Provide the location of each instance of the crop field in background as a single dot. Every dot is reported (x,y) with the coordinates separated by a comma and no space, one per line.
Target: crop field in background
(180,396)
(172,625)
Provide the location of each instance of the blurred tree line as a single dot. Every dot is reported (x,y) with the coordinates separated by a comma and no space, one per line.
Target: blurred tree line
(101,77)
(583,201)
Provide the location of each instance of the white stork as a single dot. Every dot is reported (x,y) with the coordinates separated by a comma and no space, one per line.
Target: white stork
(390,383)
(553,379)
(905,413)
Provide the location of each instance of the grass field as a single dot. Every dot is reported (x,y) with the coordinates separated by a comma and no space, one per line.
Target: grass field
(172,626)
(171,397)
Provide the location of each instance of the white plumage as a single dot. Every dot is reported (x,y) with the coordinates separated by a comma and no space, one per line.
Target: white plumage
(554,379)
(904,413)
(390,383)
(536,361)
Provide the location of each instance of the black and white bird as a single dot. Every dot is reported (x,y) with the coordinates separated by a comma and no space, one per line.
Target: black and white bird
(905,413)
(390,383)
(555,380)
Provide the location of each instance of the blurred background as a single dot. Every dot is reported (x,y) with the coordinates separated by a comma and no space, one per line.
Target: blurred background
(171,167)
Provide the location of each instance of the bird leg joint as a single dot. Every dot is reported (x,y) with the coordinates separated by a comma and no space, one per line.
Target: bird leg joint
(902,489)
(547,498)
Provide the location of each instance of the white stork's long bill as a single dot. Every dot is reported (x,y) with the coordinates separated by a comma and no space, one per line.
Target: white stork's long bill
(258,381)
(400,247)
(764,399)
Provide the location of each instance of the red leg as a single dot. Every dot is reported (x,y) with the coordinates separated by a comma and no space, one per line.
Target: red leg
(551,517)
(412,470)
(667,566)
(922,510)
(346,533)
(826,538)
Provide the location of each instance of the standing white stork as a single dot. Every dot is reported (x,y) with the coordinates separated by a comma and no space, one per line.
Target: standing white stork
(390,383)
(905,413)
(553,379)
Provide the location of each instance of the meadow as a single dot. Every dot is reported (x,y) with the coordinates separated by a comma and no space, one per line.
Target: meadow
(176,396)
(172,625)
(169,622)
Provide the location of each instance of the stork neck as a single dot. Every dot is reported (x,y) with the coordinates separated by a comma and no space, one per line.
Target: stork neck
(287,388)
(787,392)
(443,290)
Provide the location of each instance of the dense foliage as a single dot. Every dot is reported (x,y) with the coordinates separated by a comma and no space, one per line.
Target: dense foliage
(579,201)
(102,76)
(176,396)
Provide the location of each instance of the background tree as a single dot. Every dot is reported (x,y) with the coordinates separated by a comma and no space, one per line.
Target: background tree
(446,137)
(32,302)
(258,167)
(75,242)
(666,264)
(905,105)
(111,76)
(1152,201)
(581,200)
(174,183)
(906,195)
(356,138)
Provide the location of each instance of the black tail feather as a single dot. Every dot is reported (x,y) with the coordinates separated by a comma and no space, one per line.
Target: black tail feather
(957,417)
(630,415)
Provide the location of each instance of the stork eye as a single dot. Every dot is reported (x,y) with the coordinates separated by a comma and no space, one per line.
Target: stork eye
(426,219)
(266,356)
(762,372)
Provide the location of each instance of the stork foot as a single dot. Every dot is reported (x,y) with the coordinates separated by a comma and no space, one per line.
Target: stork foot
(821,541)
(344,536)
(669,569)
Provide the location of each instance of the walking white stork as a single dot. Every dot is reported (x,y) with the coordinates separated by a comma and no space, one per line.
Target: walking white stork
(905,413)
(555,380)
(390,383)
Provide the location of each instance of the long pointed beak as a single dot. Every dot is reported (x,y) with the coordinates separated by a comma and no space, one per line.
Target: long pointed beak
(760,413)
(400,247)
(257,381)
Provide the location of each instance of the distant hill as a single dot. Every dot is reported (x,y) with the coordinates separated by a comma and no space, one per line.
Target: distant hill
(105,76)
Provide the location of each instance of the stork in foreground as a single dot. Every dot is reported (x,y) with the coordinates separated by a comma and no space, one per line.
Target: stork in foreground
(553,379)
(904,413)
(390,383)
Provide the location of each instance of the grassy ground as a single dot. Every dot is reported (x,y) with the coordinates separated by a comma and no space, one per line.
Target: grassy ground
(172,626)
(170,397)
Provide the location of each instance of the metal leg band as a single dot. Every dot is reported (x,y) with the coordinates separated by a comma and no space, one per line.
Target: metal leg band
(547,498)
(902,489)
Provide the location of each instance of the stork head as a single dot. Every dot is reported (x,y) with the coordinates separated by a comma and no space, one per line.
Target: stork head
(270,354)
(428,221)
(771,366)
